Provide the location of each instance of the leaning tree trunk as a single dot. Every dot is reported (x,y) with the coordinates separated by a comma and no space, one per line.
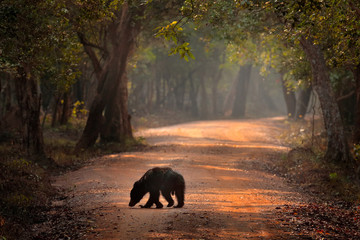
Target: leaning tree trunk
(337,147)
(29,101)
(290,99)
(96,119)
(239,106)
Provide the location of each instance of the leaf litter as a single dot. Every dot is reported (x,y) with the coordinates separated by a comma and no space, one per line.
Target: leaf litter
(339,220)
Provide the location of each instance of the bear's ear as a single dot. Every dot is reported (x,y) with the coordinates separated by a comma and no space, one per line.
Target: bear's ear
(136,184)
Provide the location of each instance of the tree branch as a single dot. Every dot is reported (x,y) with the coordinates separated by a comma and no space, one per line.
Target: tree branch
(90,52)
(345,96)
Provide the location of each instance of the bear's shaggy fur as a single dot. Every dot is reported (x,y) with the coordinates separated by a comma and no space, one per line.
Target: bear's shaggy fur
(155,180)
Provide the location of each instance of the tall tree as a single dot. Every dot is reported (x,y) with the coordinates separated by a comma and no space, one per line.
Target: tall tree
(337,147)
(108,115)
(295,18)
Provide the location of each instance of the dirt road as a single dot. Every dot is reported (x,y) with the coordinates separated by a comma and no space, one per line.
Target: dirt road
(229,193)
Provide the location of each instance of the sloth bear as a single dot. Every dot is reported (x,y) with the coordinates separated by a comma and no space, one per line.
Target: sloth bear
(155,180)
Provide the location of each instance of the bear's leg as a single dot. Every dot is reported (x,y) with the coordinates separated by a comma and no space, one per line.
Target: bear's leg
(168,197)
(154,198)
(150,202)
(179,193)
(156,195)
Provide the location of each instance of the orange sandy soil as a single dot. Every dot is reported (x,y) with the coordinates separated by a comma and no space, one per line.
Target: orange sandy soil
(229,192)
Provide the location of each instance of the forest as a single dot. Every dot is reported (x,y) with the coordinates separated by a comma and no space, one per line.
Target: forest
(81,79)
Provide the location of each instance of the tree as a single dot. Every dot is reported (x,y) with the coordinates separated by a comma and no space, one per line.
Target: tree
(27,41)
(313,35)
(117,40)
(337,147)
(289,97)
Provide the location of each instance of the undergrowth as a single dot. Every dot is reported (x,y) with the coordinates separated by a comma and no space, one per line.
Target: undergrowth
(305,166)
(25,188)
(60,143)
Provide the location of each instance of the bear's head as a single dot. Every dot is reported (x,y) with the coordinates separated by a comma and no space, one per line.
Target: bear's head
(136,194)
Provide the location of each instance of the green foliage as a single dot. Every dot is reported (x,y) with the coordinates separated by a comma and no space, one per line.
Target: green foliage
(85,13)
(255,35)
(332,24)
(183,50)
(333,176)
(79,110)
(40,43)
(171,32)
(18,199)
(19,163)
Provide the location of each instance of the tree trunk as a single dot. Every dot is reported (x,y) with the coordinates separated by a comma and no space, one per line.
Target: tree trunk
(356,135)
(66,110)
(239,106)
(229,99)
(150,92)
(6,96)
(303,102)
(112,95)
(29,101)
(290,99)
(179,92)
(203,99)
(214,87)
(56,108)
(158,80)
(193,96)
(337,147)
(117,125)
